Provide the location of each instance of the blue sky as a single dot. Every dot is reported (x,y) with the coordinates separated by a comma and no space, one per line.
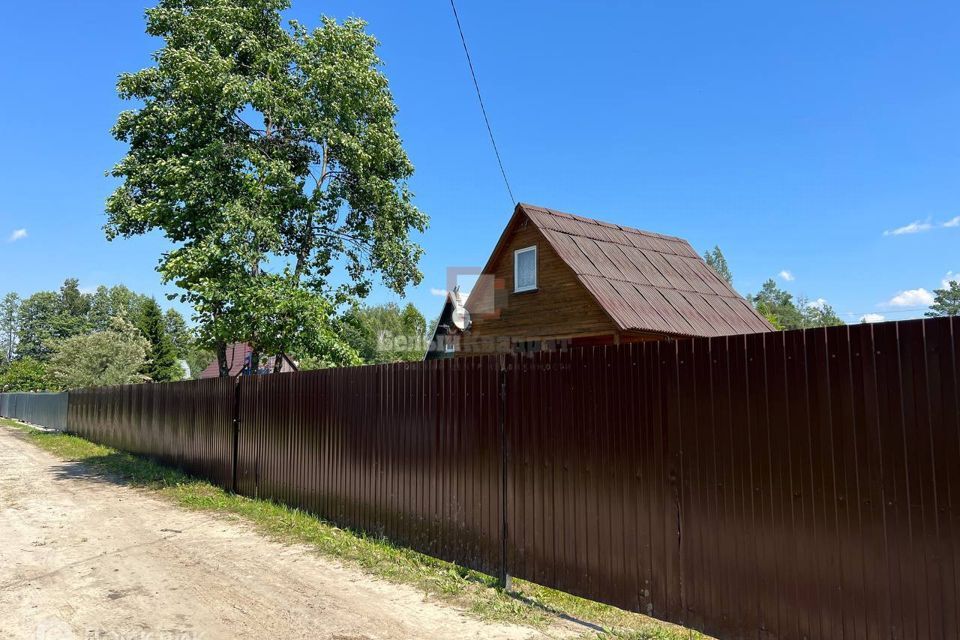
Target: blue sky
(800,139)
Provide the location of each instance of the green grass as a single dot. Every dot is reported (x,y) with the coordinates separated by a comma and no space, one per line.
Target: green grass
(526,603)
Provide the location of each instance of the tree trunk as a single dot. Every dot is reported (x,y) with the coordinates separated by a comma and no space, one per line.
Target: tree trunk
(278,363)
(222,360)
(254,362)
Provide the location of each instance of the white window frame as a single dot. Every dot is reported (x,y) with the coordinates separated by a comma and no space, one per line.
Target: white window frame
(516,271)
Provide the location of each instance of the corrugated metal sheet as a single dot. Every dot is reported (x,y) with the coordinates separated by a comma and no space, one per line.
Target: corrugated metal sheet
(410,451)
(646,281)
(799,484)
(43,409)
(188,425)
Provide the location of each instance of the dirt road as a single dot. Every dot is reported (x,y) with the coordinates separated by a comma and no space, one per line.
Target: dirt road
(82,557)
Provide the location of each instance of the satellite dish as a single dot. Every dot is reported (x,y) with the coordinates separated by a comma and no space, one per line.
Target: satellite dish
(460,316)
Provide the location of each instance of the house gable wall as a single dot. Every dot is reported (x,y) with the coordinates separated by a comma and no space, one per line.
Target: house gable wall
(560,307)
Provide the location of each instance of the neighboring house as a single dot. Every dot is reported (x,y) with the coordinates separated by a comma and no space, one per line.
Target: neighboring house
(556,280)
(446,335)
(238,358)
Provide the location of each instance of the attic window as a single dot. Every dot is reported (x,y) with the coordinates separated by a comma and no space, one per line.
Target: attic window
(525,269)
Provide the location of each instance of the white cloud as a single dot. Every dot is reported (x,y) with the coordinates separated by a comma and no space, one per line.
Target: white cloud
(19,234)
(819,303)
(950,277)
(917,226)
(438,292)
(786,275)
(872,317)
(912,298)
(952,222)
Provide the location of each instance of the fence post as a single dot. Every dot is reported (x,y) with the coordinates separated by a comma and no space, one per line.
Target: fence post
(504,458)
(236,432)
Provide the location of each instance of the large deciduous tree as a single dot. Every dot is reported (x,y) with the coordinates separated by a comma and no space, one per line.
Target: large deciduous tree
(47,316)
(25,374)
(268,154)
(386,333)
(784,312)
(107,303)
(39,325)
(114,356)
(9,325)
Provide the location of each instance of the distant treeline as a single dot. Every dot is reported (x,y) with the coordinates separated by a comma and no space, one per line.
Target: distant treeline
(66,339)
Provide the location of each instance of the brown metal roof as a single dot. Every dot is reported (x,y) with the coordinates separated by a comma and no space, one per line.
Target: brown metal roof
(644,281)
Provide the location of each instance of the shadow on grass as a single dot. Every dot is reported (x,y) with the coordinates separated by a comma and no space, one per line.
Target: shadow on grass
(375,553)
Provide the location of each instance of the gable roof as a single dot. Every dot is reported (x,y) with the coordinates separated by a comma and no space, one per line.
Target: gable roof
(644,281)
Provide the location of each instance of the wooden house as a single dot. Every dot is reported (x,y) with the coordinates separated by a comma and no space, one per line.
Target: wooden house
(238,360)
(556,280)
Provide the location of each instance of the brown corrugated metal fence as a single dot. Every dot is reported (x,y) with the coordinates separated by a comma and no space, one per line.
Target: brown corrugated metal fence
(185,424)
(800,484)
(410,451)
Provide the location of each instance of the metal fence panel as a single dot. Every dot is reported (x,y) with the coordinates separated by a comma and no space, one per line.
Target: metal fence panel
(188,425)
(43,409)
(798,484)
(409,451)
(795,484)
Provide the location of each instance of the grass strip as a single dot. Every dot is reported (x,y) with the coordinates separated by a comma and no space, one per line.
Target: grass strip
(527,603)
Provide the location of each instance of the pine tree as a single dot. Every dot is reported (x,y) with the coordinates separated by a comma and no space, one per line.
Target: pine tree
(718,263)
(947,301)
(162,365)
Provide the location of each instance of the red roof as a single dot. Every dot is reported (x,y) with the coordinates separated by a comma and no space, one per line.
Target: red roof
(238,354)
(644,281)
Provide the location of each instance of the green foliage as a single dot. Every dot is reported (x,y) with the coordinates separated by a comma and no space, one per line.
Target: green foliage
(9,326)
(40,324)
(197,359)
(779,308)
(74,309)
(25,374)
(267,155)
(114,302)
(114,356)
(179,333)
(161,365)
(187,347)
(31,329)
(946,301)
(385,333)
(48,316)
(716,261)
(817,314)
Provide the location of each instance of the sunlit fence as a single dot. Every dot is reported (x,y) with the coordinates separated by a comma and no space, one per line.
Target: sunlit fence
(799,484)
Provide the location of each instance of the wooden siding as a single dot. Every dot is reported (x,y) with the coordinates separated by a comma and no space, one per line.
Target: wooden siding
(560,307)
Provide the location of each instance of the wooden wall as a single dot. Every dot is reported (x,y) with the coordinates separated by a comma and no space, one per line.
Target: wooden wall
(559,308)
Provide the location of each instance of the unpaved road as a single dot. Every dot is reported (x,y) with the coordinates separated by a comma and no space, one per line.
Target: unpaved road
(82,557)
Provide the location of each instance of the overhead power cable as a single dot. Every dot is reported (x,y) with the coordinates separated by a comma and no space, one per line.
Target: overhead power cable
(483,109)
